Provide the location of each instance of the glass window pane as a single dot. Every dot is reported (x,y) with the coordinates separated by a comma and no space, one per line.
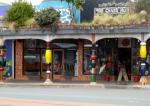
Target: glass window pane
(58,62)
(31,62)
(87,54)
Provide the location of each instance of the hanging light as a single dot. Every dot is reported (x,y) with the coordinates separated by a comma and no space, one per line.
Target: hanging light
(48,56)
(143,51)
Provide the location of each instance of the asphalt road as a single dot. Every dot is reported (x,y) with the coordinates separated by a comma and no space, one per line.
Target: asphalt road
(115,97)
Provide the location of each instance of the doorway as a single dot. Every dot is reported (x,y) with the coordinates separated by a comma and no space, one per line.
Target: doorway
(124,56)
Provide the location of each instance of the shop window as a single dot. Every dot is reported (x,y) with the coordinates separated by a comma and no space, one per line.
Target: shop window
(31,62)
(64,58)
(58,61)
(34,57)
(87,54)
(64,62)
(33,43)
(40,44)
(70,62)
(30,43)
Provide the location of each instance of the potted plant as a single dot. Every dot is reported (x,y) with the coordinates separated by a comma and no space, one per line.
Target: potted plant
(109,74)
(135,73)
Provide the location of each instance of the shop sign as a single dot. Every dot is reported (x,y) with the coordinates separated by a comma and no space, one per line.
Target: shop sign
(110,10)
(124,43)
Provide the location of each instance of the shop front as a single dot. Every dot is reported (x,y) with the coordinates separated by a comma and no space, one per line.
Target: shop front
(111,53)
(71,54)
(64,58)
(72,45)
(66,63)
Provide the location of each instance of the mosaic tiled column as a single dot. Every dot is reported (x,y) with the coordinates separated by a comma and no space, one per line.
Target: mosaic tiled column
(2,61)
(93,61)
(48,58)
(143,54)
(93,65)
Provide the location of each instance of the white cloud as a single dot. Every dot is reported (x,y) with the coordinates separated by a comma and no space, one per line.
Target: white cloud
(34,2)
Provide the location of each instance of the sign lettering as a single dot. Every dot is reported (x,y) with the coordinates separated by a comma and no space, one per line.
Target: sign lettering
(110,10)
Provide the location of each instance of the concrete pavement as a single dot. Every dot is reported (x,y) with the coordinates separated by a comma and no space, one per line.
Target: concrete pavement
(25,102)
(73,96)
(123,85)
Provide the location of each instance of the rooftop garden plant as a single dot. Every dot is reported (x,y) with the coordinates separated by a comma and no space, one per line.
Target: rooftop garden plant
(126,19)
(19,13)
(47,18)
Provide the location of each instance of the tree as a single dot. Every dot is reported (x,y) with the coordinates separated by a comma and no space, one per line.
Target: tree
(143,5)
(74,5)
(20,12)
(77,3)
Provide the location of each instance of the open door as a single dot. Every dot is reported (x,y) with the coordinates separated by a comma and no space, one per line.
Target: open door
(124,56)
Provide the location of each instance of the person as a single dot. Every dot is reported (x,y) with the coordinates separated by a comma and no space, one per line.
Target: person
(122,72)
(102,68)
(143,79)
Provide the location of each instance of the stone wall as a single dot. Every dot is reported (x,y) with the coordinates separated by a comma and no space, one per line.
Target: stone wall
(80,57)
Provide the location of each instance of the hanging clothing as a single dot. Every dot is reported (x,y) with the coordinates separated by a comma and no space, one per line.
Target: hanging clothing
(148,59)
(142,70)
(122,73)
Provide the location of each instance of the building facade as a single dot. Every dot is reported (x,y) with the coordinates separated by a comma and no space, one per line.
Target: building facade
(72,47)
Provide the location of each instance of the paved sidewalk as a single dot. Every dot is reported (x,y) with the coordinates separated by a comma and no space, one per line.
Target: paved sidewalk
(25,102)
(123,85)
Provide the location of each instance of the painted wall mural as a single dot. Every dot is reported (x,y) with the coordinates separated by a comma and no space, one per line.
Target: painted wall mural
(62,7)
(8,69)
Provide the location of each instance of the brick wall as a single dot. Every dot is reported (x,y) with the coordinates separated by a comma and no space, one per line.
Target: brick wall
(1,75)
(80,57)
(19,60)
